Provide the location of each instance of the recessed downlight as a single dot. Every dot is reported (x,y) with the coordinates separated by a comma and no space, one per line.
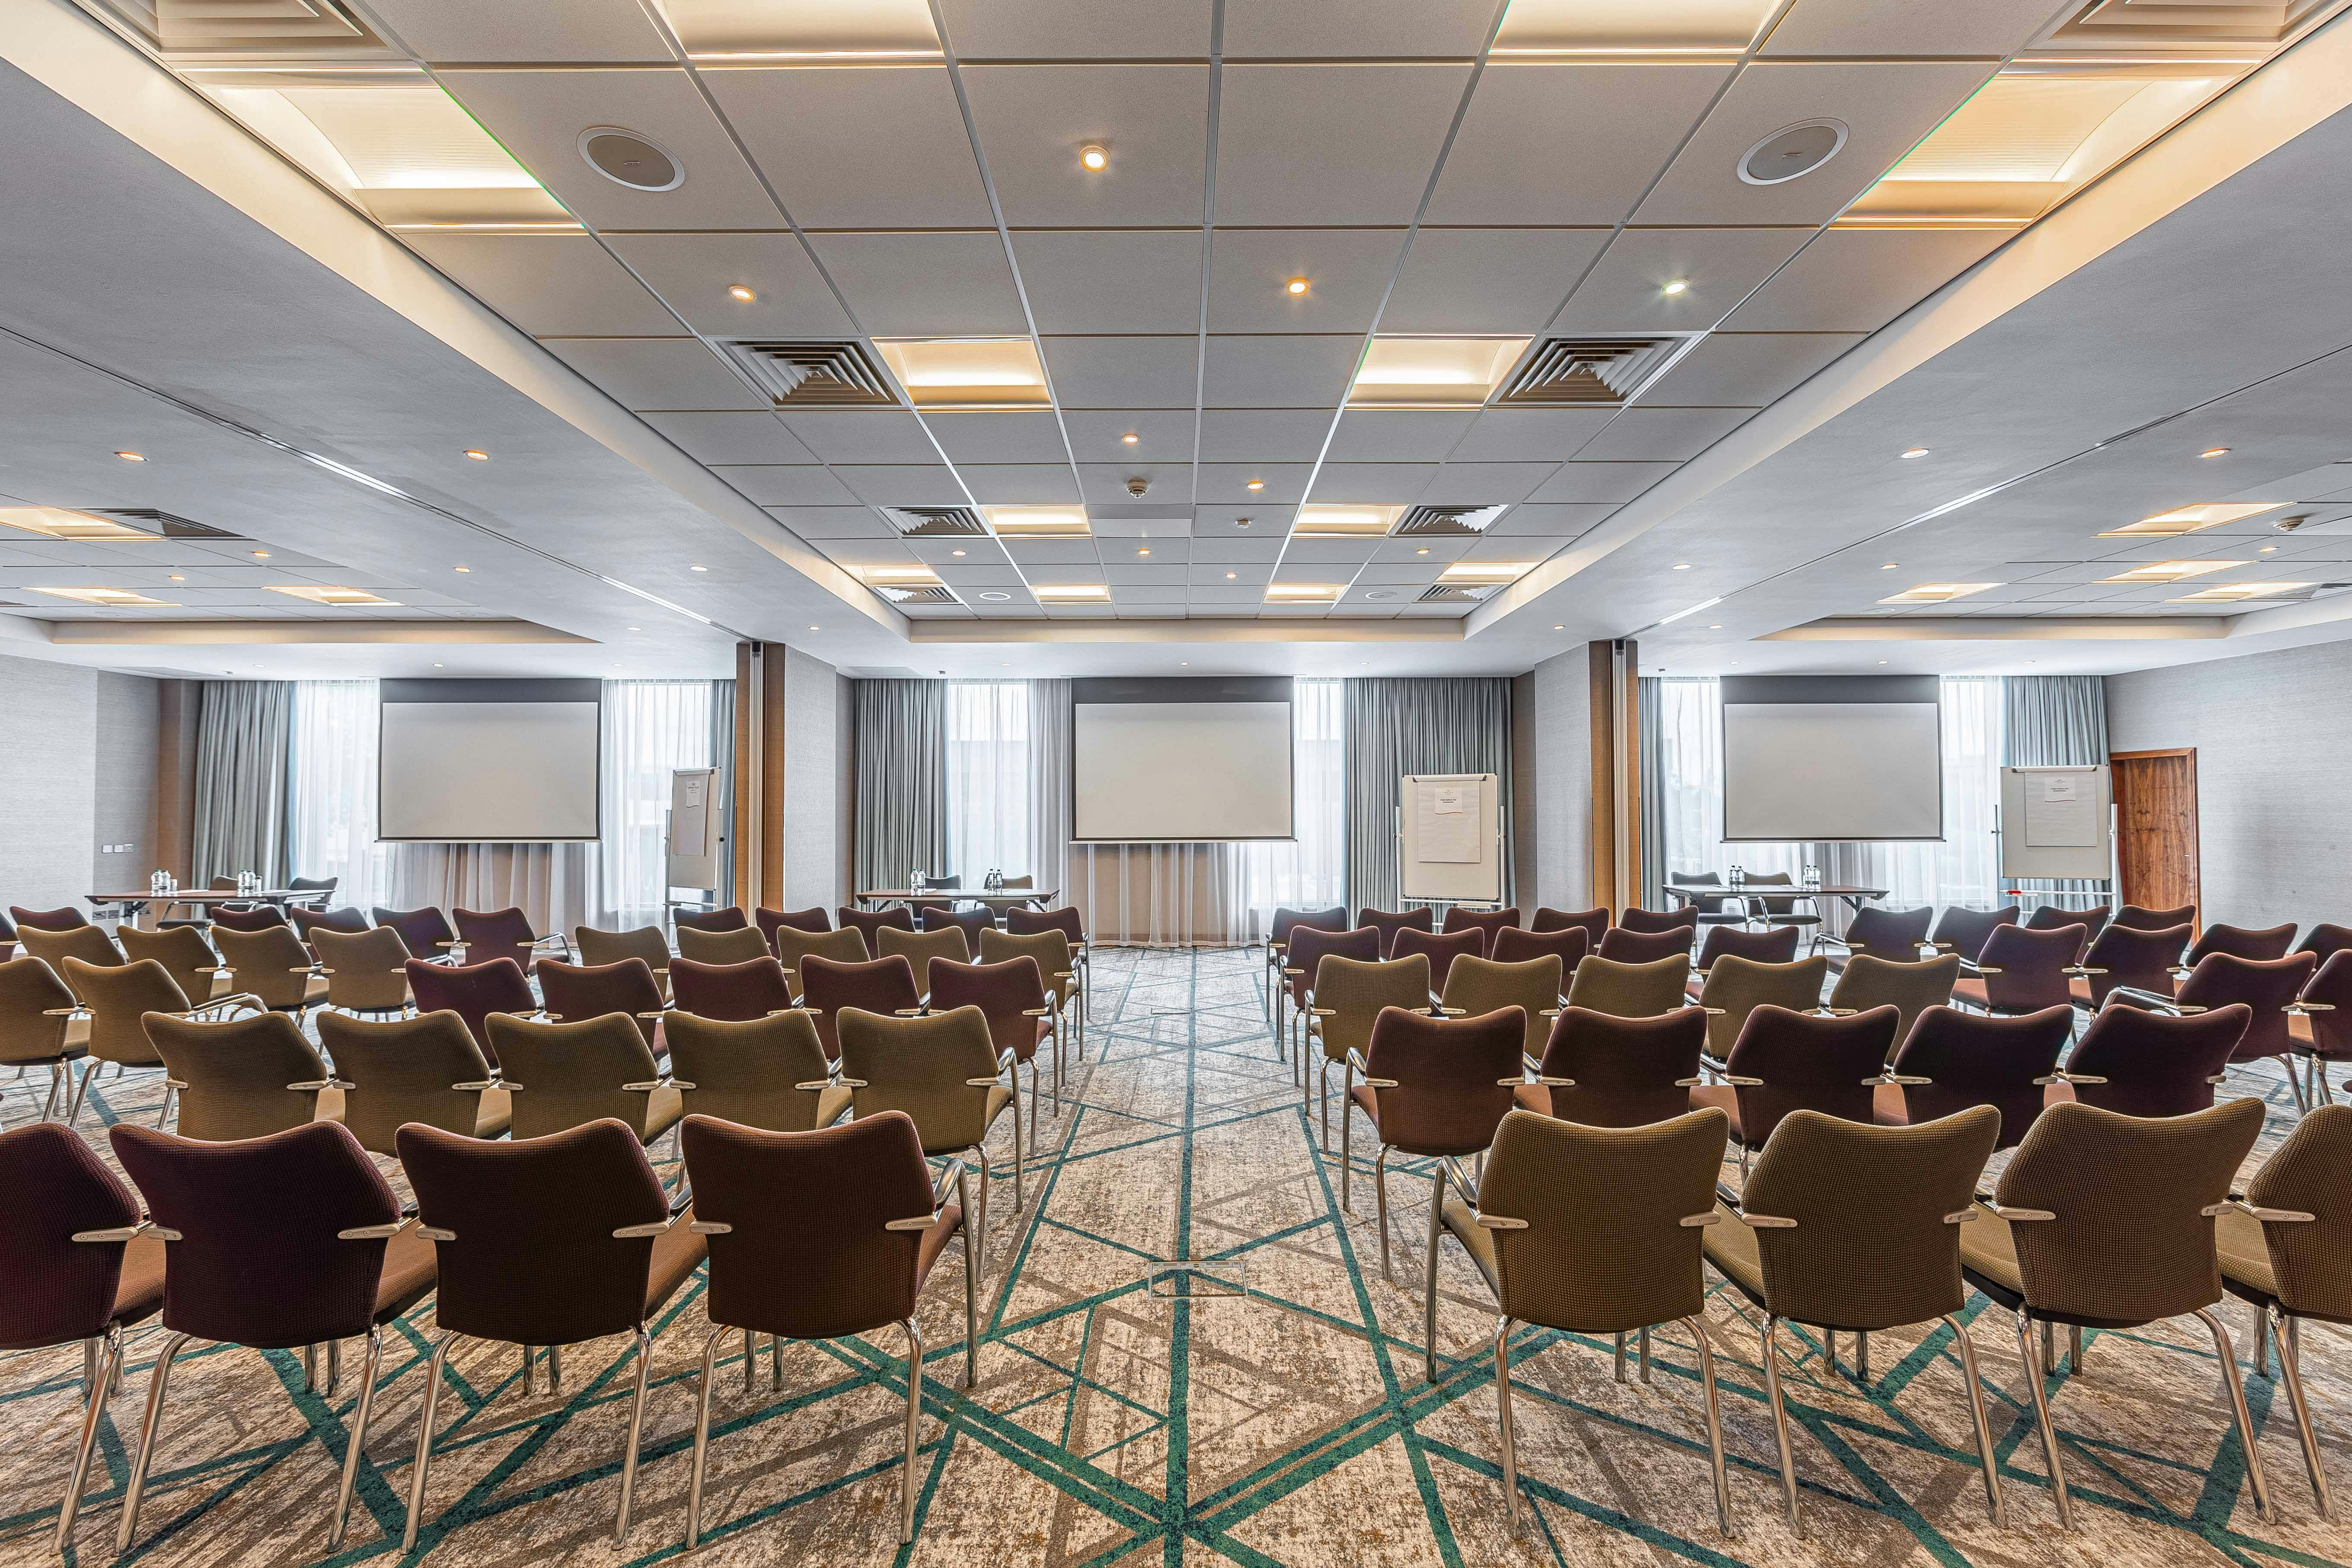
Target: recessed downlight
(625,158)
(1129,439)
(737,292)
(698,568)
(1295,286)
(1791,152)
(1230,575)
(478,454)
(461,569)
(2208,452)
(1094,157)
(131,456)
(1257,484)
(995,598)
(1677,286)
(1681,566)
(1915,451)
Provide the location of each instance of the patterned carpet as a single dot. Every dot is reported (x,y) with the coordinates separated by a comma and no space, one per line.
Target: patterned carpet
(1114,1424)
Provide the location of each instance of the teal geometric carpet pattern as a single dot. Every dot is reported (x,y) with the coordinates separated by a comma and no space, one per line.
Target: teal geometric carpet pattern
(1114,1424)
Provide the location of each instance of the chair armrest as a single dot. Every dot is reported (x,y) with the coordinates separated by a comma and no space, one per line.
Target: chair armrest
(637,1232)
(312,1086)
(2062,1076)
(1547,1012)
(947,1180)
(2237,1201)
(1690,1083)
(665,1012)
(1905,1079)
(1039,1012)
(371,1232)
(2014,1214)
(1355,1060)
(78,1010)
(1766,1221)
(1294,972)
(1324,1012)
(131,1232)
(655,1084)
(909,1012)
(2081,972)
(484,1084)
(1437,1010)
(1826,1011)
(2300,1007)
(1710,1012)
(2153,1001)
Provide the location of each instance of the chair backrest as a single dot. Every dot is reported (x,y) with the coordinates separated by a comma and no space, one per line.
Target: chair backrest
(1705,906)
(2133,1239)
(64,919)
(1627,1072)
(1065,920)
(240,1074)
(883,985)
(1783,907)
(1965,932)
(1441,950)
(1605,1248)
(260,1261)
(496,933)
(270,963)
(1050,948)
(1287,918)
(1454,1077)
(1491,921)
(807,1252)
(312,884)
(923,1067)
(729,919)
(182,950)
(971,923)
(2135,956)
(570,1074)
(597,948)
(2033,965)
(2155,1065)
(249,918)
(1311,945)
(1002,992)
(1356,990)
(770,921)
(751,1070)
(2242,941)
(1388,922)
(728,991)
(576,991)
(531,1258)
(1593,922)
(53,1289)
(1482,985)
(364,969)
(1737,987)
(1517,944)
(1969,1060)
(473,992)
(1807,1062)
(2265,986)
(404,1069)
(871,921)
(425,930)
(1909,988)
(32,997)
(2331,1032)
(120,996)
(1773,945)
(1624,945)
(2311,1173)
(738,945)
(1874,1245)
(86,943)
(919,947)
(1650,922)
(2050,917)
(1630,990)
(2325,941)
(1893,935)
(2139,918)
(348,921)
(846,945)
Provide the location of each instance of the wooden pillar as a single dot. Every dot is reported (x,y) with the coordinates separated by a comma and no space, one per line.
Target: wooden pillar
(772,776)
(749,754)
(175,778)
(1614,696)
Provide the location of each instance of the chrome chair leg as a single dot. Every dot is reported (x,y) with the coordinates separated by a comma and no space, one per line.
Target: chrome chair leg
(81,1091)
(1781,1422)
(1323,1101)
(158,1386)
(1862,1355)
(701,1439)
(1619,1372)
(2238,1410)
(984,1184)
(1380,1205)
(100,1380)
(2291,1371)
(971,1291)
(1020,1199)
(310,1368)
(636,1431)
(751,1360)
(2262,1343)
(1346,1126)
(334,1366)
(2034,1377)
(554,1369)
(530,1382)
(1503,1415)
(369,1368)
(776,1363)
(1429,1302)
(914,1415)
(433,1371)
(1713,1421)
(49,1105)
(1967,1350)
(1645,1356)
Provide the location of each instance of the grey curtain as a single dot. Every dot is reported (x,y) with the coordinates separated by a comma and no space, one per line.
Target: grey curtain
(1455,724)
(243,756)
(1049,794)
(1653,808)
(722,757)
(2054,721)
(902,781)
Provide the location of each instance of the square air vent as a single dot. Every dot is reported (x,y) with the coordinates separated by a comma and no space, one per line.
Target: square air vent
(1591,370)
(809,375)
(934,522)
(929,593)
(167,524)
(1425,521)
(1456,592)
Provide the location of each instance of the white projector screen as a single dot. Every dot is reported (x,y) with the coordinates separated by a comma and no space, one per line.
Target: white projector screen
(1830,758)
(487,764)
(1169,769)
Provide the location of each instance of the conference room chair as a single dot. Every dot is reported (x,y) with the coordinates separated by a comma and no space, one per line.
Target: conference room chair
(42,1025)
(824,1236)
(1593,922)
(730,992)
(1735,987)
(1713,910)
(1348,997)
(2242,941)
(1773,945)
(2325,941)
(1783,909)
(64,919)
(569,1074)
(576,991)
(2282,1249)
(1587,1230)
(76,1263)
(425,932)
(944,1071)
(1491,921)
(1649,922)
(1785,1061)
(1433,1087)
(971,923)
(1058,965)
(886,985)
(1441,950)
(1607,1071)
(472,991)
(729,919)
(2128,957)
(2021,971)
(323,886)
(2319,1027)
(1309,946)
(546,1241)
(871,921)
(505,933)
(348,921)
(1965,932)
(1630,990)
(247,1265)
(1909,988)
(272,964)
(1896,935)
(1622,945)
(772,921)
(2105,1221)
(1476,986)
(2139,1062)
(1388,922)
(240,1078)
(86,944)
(118,1000)
(1011,994)
(1858,1229)
(737,944)
(181,948)
(366,972)
(792,945)
(1072,925)
(919,947)
(2139,918)
(2050,917)
(1277,941)
(761,1072)
(1951,1061)
(1517,944)
(2266,988)
(425,1070)
(597,948)
(7,938)
(264,917)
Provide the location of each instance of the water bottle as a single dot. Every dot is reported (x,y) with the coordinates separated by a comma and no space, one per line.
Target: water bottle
(1812,876)
(1739,875)
(155,883)
(915,881)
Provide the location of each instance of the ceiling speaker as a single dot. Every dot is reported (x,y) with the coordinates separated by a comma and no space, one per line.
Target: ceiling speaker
(1792,151)
(628,158)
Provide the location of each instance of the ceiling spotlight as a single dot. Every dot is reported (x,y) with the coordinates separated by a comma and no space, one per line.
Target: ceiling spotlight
(1678,286)
(2266,550)
(437,664)
(478,454)
(1422,551)
(1882,662)
(1560,628)
(737,292)
(177,578)
(2208,452)
(955,552)
(698,568)
(636,628)
(817,629)
(131,456)
(1230,575)
(1295,286)
(1129,439)
(1144,550)
(1257,484)
(1183,663)
(462,568)
(1915,451)
(261,555)
(1681,566)
(1094,158)
(1890,566)
(1715,627)
(996,598)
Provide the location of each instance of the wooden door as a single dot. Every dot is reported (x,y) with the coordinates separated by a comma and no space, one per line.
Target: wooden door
(2156,826)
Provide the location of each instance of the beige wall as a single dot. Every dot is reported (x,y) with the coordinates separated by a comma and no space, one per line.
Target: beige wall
(77,770)
(1559,739)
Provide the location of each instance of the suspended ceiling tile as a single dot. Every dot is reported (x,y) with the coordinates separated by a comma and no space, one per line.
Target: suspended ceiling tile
(990,437)
(1263,435)
(1439,549)
(731,438)
(925,285)
(1372,484)
(1530,435)
(867,147)
(550,284)
(1227,484)
(1682,434)
(1111,282)
(656,372)
(862,435)
(1747,369)
(1278,372)
(1329,28)
(1550,520)
(1600,481)
(1161,434)
(1331,144)
(794,485)
(1219,573)
(1858,279)
(1124,372)
(1101,29)
(1170,484)
(694,271)
(904,484)
(1484,484)
(1018,484)
(1990,28)
(1625,292)
(1151,122)
(1568,144)
(828,523)
(1346,271)
(576,31)
(1488,280)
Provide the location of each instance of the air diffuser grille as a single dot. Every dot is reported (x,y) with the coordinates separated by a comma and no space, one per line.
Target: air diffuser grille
(929,593)
(1446,519)
(168,524)
(934,522)
(809,375)
(1456,592)
(1590,371)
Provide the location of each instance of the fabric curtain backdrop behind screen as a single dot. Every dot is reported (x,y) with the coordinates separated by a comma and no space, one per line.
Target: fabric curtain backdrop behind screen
(1654,817)
(331,811)
(2055,722)
(1049,797)
(990,788)
(1453,724)
(651,728)
(243,731)
(902,782)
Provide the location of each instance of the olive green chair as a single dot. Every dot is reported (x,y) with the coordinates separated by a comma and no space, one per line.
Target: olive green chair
(943,1070)
(919,947)
(423,1068)
(240,1078)
(757,1073)
(1910,989)
(846,945)
(364,969)
(1736,986)
(182,950)
(1479,985)
(1630,990)
(740,946)
(569,1074)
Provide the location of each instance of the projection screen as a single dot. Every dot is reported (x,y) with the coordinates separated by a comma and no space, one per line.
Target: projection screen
(1831,758)
(469,762)
(1180,760)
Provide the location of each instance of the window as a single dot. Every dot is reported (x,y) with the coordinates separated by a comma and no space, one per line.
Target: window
(1309,872)
(331,799)
(988,779)
(650,727)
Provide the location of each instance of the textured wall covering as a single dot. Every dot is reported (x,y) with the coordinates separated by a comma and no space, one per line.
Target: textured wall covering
(1563,750)
(845,786)
(814,743)
(2274,800)
(49,832)
(1526,789)
(1397,728)
(128,723)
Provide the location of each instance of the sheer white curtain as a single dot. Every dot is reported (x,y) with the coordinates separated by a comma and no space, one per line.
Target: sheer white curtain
(1309,871)
(990,777)
(651,727)
(330,803)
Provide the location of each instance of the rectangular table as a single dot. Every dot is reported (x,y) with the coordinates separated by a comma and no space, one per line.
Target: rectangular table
(1009,897)
(1856,898)
(137,903)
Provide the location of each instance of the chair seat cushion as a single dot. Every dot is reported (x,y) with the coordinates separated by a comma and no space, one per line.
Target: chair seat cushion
(493,1112)
(1367,1099)
(935,1241)
(138,1291)
(831,1102)
(1723,1097)
(1972,992)
(410,1267)
(2245,1255)
(1888,1106)
(678,1253)
(314,990)
(1535,1097)
(2079,990)
(664,1106)
(1731,1247)
(1987,1248)
(1475,1239)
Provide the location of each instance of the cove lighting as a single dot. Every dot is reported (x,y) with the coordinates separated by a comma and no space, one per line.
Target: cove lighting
(327,594)
(1071,591)
(1695,609)
(1333,521)
(1486,571)
(58,522)
(2189,520)
(1303,592)
(2172,570)
(967,373)
(115,598)
(1442,372)
(1936,593)
(2231,592)
(1037,521)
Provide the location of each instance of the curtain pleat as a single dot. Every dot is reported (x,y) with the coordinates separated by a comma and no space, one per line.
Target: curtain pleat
(902,782)
(332,811)
(1049,801)
(722,757)
(1654,815)
(2055,722)
(243,735)
(651,728)
(552,884)
(1453,724)
(989,782)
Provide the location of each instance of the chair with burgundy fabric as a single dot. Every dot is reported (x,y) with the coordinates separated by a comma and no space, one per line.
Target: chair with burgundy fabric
(2239,942)
(1441,950)
(2144,1063)
(42,1026)
(2050,917)
(1736,986)
(182,949)
(1593,922)
(350,922)
(546,1241)
(1649,922)
(2320,1025)
(1058,967)
(1279,937)
(1021,1017)
(792,945)
(810,920)
(248,919)
(730,992)
(473,992)
(273,964)
(2023,971)
(919,947)
(2267,988)
(1965,932)
(1436,1088)
(8,939)
(2131,957)
(578,991)
(2325,941)
(1517,944)
(1474,987)
(597,948)
(884,986)
(426,930)
(1896,935)
(120,1000)
(1625,945)
(1630,990)
(65,918)
(1068,921)
(1346,999)
(736,944)
(1773,945)
(1971,1058)
(729,919)
(1607,1071)
(74,1264)
(1388,922)
(88,943)
(1491,921)
(943,1070)
(1306,949)
(567,1075)
(2138,918)
(274,1244)
(761,1072)
(364,971)
(240,1078)
(1786,1061)
(1909,988)
(971,923)
(505,933)
(871,921)
(821,1235)
(426,1069)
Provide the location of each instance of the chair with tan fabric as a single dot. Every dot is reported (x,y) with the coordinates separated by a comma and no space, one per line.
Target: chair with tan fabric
(1623,946)
(2129,958)
(1432,1087)
(365,971)
(1475,986)
(576,991)
(846,945)
(1951,1061)
(1607,1071)
(1629,990)
(1909,988)
(87,944)
(1388,922)
(1965,932)
(2142,1063)
(41,1026)
(1787,1061)
(1071,924)
(871,921)
(570,1074)
(1057,963)
(273,964)
(1440,950)
(1858,1228)
(598,948)
(1012,995)
(2105,1221)
(1773,945)
(1517,944)
(350,922)
(120,999)
(740,946)
(1652,922)
(919,947)
(426,1069)
(1593,923)
(760,1072)
(2284,1248)
(1589,1230)
(2132,917)
(1347,997)
(944,1071)
(729,919)
(181,948)
(240,1078)
(1736,986)
(819,1236)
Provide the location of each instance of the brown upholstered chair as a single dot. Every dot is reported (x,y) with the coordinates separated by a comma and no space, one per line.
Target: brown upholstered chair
(944,1071)
(730,992)
(1301,958)
(1622,945)
(1858,1228)
(240,1078)
(2143,1063)
(63,918)
(1058,965)
(1909,988)
(1736,986)
(1277,941)
(181,948)
(740,946)
(505,933)
(1950,1060)
(1652,922)
(1897,935)
(120,999)
(1773,945)
(1607,1071)
(2134,958)
(275,1243)
(770,921)
(2050,917)
(1011,994)
(1517,944)
(2104,1221)
(273,964)
(1071,924)
(426,930)
(871,921)
(41,1025)
(426,1069)
(1591,1230)
(1593,923)
(2132,917)
(1388,922)
(226,917)
(474,992)
(919,947)
(1786,1060)
(846,945)
(2266,988)
(1440,950)
(2326,941)
(569,1074)
(884,986)
(2319,1025)
(761,1072)
(545,1241)
(971,923)
(2242,941)
(1475,986)
(1491,921)
(1431,1087)
(76,1263)
(729,919)
(577,991)
(365,971)
(1629,990)
(350,922)
(1348,995)
(1965,932)
(820,1236)
(86,944)
(2023,971)
(597,948)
